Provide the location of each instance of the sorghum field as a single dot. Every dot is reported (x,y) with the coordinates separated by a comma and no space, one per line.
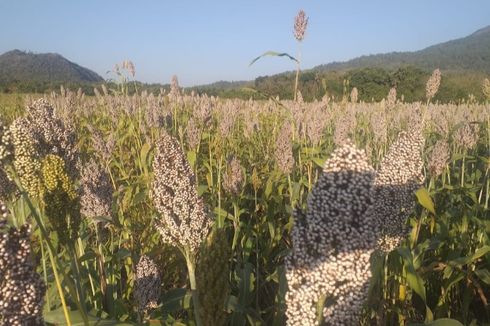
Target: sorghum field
(183,209)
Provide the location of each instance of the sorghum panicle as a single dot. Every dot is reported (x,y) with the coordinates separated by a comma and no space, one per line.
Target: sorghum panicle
(466,136)
(300,24)
(147,285)
(486,88)
(433,84)
(399,176)
(283,152)
(21,288)
(391,98)
(61,202)
(438,158)
(354,94)
(332,243)
(233,179)
(193,134)
(184,220)
(97,190)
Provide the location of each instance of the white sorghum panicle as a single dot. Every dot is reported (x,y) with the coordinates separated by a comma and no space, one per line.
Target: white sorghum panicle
(174,87)
(354,94)
(332,243)
(339,200)
(433,84)
(486,88)
(53,136)
(314,122)
(103,147)
(379,127)
(193,134)
(7,186)
(147,284)
(283,152)
(438,158)
(344,124)
(466,136)
(129,66)
(21,288)
(391,98)
(96,197)
(300,24)
(184,220)
(40,133)
(228,114)
(233,179)
(399,176)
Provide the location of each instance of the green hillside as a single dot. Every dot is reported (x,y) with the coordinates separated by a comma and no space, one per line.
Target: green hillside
(471,53)
(25,70)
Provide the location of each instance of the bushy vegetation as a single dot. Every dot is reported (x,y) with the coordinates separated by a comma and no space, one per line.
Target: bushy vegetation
(95,177)
(373,84)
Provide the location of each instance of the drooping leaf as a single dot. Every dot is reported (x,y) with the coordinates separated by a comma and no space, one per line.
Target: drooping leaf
(57,317)
(425,200)
(273,54)
(441,322)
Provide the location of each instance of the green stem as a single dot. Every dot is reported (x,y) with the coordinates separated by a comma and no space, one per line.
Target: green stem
(236,221)
(297,75)
(92,287)
(291,196)
(78,279)
(220,219)
(58,286)
(43,255)
(51,250)
(462,170)
(191,268)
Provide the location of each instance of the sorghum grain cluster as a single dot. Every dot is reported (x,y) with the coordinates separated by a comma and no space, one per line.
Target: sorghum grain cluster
(233,179)
(21,288)
(184,220)
(438,158)
(96,197)
(283,152)
(332,242)
(147,284)
(352,211)
(399,176)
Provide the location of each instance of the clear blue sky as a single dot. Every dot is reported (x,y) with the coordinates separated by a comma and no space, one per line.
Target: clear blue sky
(204,41)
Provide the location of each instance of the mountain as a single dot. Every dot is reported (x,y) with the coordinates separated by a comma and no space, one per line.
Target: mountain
(470,53)
(25,67)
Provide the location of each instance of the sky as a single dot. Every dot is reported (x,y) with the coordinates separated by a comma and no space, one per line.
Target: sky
(207,41)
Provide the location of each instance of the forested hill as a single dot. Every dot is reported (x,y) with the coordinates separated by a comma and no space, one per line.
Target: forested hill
(470,53)
(25,67)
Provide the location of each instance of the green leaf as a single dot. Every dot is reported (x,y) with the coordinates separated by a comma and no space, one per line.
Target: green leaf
(144,154)
(191,157)
(441,322)
(174,300)
(56,317)
(414,281)
(480,252)
(123,253)
(484,275)
(273,54)
(320,162)
(425,200)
